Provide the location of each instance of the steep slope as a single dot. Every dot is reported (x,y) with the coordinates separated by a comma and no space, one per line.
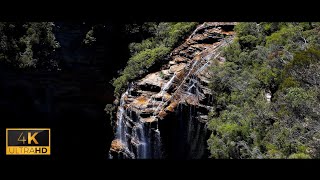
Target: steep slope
(164,114)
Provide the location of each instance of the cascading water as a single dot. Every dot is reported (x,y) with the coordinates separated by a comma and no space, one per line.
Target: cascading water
(157,142)
(163,90)
(142,146)
(120,124)
(194,32)
(168,84)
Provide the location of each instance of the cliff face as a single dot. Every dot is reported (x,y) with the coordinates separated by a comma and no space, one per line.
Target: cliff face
(164,114)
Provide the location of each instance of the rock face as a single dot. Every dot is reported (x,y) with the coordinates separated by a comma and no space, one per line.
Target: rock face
(164,114)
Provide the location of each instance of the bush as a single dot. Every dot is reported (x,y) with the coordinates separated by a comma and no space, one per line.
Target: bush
(248,41)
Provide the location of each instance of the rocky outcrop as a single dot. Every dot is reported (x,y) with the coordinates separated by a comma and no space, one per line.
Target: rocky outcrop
(164,114)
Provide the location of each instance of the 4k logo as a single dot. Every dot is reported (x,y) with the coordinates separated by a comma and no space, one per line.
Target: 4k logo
(28,141)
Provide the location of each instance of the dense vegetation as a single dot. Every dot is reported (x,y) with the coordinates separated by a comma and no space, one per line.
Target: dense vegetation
(28,45)
(277,59)
(164,37)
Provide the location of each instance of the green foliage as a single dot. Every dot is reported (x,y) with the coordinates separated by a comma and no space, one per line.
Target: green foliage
(265,74)
(304,69)
(28,45)
(152,50)
(249,34)
(248,41)
(110,110)
(281,37)
(289,82)
(161,74)
(281,59)
(247,28)
(89,39)
(270,28)
(293,37)
(138,65)
(299,156)
(232,52)
(298,97)
(305,58)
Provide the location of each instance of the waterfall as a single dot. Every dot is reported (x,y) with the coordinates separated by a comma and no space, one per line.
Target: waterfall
(168,84)
(194,32)
(163,90)
(187,76)
(120,133)
(142,146)
(148,103)
(193,85)
(138,142)
(202,68)
(157,144)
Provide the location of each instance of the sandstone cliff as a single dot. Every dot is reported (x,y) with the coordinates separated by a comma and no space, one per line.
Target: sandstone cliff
(164,114)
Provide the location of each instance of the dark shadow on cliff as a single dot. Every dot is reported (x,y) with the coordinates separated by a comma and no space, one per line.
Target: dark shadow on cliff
(183,136)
